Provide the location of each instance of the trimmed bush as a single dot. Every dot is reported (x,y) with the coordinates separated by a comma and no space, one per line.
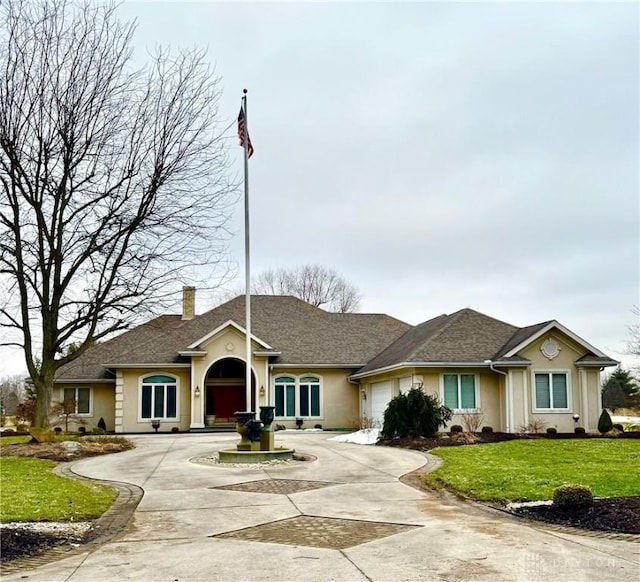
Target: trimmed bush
(605,424)
(552,430)
(414,414)
(579,430)
(95,430)
(102,424)
(456,428)
(619,426)
(175,429)
(572,496)
(487,429)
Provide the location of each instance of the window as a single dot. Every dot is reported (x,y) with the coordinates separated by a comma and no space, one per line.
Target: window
(551,390)
(298,397)
(285,396)
(309,396)
(460,391)
(77,400)
(159,397)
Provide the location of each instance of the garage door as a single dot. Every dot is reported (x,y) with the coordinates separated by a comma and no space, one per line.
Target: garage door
(380,397)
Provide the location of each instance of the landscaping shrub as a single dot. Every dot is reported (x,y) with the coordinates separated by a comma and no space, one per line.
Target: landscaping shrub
(572,496)
(579,430)
(414,414)
(605,424)
(456,428)
(619,426)
(487,429)
(552,430)
(175,429)
(96,430)
(102,424)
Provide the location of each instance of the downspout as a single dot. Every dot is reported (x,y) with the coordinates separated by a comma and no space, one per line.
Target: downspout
(507,390)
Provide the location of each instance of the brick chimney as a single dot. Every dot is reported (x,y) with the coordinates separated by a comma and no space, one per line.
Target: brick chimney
(188,302)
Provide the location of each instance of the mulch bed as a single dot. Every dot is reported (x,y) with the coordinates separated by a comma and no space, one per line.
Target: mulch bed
(618,514)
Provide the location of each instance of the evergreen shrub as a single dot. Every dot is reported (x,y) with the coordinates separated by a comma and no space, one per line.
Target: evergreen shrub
(414,414)
(572,496)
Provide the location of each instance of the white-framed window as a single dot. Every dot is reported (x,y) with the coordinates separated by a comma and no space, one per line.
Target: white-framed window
(551,390)
(460,391)
(298,396)
(159,397)
(77,401)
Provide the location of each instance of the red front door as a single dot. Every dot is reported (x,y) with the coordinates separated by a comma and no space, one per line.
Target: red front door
(227,400)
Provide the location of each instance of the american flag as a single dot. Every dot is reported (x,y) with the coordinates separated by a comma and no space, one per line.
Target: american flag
(242,132)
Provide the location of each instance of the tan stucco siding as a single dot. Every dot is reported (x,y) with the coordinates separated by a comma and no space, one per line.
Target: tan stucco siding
(339,401)
(488,391)
(132,379)
(102,402)
(583,387)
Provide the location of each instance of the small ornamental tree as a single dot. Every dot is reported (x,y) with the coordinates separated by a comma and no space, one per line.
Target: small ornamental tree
(605,424)
(414,414)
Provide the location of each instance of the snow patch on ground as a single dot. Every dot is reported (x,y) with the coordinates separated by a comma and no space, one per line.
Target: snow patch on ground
(366,436)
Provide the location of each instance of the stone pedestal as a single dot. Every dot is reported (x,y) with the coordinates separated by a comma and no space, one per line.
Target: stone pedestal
(267,441)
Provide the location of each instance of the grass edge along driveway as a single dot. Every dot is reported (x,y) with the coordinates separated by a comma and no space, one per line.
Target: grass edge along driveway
(529,470)
(31,491)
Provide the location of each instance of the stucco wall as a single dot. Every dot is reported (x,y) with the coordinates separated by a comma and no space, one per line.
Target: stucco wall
(583,389)
(488,391)
(102,406)
(339,398)
(131,379)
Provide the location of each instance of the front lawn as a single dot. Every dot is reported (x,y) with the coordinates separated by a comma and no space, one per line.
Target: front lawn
(32,492)
(529,470)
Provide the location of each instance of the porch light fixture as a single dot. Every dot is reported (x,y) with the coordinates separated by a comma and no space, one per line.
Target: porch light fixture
(261,390)
(197,391)
(576,418)
(364,394)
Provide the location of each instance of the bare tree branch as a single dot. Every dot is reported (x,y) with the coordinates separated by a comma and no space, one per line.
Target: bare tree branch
(114,181)
(315,284)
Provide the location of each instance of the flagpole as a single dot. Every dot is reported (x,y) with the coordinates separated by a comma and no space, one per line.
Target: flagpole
(247,255)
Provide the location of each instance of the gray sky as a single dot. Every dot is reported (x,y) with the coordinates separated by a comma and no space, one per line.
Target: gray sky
(438,155)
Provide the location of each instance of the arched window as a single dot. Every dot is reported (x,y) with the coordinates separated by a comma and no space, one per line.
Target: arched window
(159,397)
(298,397)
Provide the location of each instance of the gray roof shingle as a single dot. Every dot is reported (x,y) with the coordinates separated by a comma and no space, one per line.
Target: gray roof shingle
(304,334)
(464,336)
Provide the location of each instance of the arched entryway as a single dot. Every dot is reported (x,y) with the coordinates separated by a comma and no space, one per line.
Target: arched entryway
(225,391)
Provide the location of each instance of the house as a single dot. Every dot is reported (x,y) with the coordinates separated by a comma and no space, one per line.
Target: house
(188,371)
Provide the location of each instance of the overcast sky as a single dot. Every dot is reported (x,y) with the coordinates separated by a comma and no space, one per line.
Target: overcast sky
(438,155)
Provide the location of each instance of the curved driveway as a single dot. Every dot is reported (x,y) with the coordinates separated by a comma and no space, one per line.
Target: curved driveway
(169,538)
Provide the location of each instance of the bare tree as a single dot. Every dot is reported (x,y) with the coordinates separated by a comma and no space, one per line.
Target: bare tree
(314,284)
(114,180)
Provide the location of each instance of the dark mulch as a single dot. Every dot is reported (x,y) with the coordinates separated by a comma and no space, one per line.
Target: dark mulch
(619,514)
(16,542)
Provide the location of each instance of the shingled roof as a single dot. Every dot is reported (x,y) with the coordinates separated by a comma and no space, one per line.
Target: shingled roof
(304,335)
(464,336)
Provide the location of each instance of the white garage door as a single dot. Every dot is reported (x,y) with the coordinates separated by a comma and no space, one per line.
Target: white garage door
(380,397)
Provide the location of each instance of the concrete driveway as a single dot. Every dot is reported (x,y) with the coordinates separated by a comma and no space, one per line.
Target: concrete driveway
(360,521)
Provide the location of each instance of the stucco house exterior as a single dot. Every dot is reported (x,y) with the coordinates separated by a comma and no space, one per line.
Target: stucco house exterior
(188,371)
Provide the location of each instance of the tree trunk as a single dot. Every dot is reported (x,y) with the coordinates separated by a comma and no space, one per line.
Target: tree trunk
(44,388)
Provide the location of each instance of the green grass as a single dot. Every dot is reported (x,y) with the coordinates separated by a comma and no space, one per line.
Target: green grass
(32,492)
(529,470)
(14,440)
